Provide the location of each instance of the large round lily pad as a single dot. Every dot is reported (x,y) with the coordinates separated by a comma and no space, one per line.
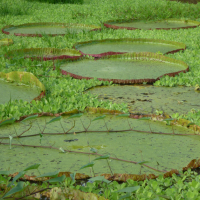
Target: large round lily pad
(129,68)
(45,53)
(98,48)
(17,86)
(171,152)
(149,25)
(49,28)
(187,1)
(6,41)
(148,99)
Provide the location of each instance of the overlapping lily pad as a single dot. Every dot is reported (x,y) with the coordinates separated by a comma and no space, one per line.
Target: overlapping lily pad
(98,48)
(149,25)
(6,41)
(49,28)
(129,68)
(126,145)
(20,85)
(45,53)
(147,99)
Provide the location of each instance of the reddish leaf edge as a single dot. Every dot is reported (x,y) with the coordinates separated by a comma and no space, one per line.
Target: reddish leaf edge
(129,39)
(40,35)
(106,24)
(125,81)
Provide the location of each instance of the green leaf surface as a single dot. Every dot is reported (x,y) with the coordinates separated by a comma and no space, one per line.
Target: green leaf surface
(102,157)
(129,189)
(44,53)
(146,99)
(100,117)
(8,121)
(127,68)
(19,175)
(153,24)
(117,144)
(17,188)
(75,115)
(5,172)
(145,118)
(100,179)
(49,28)
(6,41)
(142,162)
(50,174)
(57,179)
(30,117)
(55,119)
(98,48)
(87,165)
(35,166)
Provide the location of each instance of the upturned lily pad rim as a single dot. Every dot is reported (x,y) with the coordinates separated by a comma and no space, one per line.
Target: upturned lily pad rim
(136,56)
(6,41)
(5,76)
(93,110)
(93,28)
(45,58)
(106,24)
(181,46)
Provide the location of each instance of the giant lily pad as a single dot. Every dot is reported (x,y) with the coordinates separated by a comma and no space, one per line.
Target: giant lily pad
(187,1)
(45,53)
(170,152)
(98,48)
(49,28)
(148,99)
(129,68)
(17,86)
(149,25)
(6,41)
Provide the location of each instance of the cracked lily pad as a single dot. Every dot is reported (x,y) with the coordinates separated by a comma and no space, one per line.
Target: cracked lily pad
(149,25)
(49,28)
(20,85)
(45,53)
(148,99)
(129,68)
(98,48)
(6,41)
(178,150)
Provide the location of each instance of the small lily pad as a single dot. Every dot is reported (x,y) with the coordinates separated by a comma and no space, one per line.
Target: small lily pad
(6,41)
(99,48)
(45,53)
(49,28)
(129,68)
(165,24)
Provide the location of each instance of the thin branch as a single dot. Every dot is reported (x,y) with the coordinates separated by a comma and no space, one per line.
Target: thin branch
(69,151)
